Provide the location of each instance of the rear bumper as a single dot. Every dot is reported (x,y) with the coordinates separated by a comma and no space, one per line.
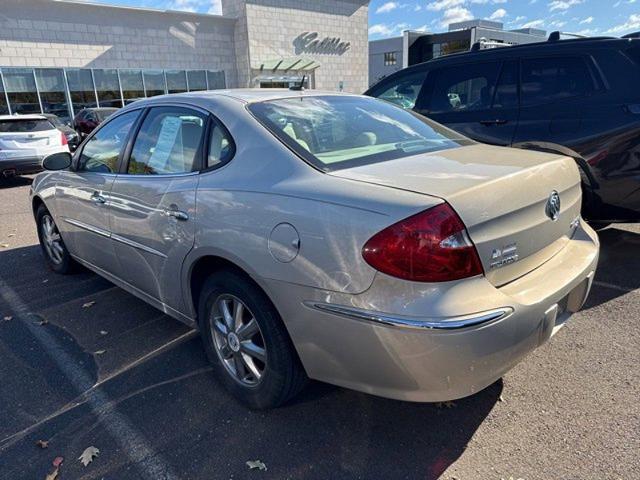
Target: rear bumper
(427,352)
(20,166)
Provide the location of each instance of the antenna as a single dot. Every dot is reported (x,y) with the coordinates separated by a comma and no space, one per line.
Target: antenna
(299,87)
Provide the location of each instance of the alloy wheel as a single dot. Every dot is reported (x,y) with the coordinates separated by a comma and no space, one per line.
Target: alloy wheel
(51,240)
(238,340)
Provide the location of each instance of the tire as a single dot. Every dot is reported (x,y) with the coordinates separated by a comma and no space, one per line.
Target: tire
(58,258)
(255,383)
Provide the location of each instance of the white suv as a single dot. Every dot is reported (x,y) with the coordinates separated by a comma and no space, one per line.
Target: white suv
(24,141)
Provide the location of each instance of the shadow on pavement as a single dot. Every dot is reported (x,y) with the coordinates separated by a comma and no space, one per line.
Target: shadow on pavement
(618,266)
(13,182)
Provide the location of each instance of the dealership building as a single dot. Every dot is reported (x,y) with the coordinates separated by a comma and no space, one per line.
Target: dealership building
(60,56)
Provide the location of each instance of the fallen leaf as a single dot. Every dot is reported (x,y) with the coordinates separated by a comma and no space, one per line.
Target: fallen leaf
(256,464)
(11,235)
(447,404)
(88,304)
(501,398)
(42,443)
(58,461)
(4,245)
(7,318)
(103,332)
(88,455)
(99,352)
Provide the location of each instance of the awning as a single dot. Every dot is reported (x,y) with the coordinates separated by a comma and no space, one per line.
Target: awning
(296,64)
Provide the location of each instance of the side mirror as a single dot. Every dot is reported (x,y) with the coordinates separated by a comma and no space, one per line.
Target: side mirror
(57,161)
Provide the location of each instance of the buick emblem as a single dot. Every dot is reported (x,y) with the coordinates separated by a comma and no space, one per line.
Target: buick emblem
(553,206)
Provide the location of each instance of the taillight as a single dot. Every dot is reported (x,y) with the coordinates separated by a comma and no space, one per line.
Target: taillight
(432,246)
(63,139)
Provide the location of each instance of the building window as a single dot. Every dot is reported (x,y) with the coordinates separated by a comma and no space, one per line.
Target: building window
(154,82)
(176,81)
(4,106)
(81,90)
(21,90)
(131,84)
(108,87)
(390,58)
(197,80)
(53,92)
(216,80)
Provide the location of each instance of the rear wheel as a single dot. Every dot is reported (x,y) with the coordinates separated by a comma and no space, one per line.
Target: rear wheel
(55,252)
(247,343)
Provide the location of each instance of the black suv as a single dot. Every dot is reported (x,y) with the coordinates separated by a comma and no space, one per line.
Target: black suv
(578,97)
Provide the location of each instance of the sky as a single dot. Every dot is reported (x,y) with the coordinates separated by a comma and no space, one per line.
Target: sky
(390,18)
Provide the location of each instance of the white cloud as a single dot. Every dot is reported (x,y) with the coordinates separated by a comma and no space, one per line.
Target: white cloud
(557,24)
(498,14)
(386,30)
(533,24)
(633,23)
(387,7)
(216,7)
(520,18)
(454,15)
(444,5)
(563,4)
(586,21)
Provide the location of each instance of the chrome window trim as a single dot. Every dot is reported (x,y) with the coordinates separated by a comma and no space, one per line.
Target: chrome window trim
(444,323)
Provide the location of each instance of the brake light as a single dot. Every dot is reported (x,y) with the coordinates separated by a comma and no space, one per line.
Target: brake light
(63,139)
(432,246)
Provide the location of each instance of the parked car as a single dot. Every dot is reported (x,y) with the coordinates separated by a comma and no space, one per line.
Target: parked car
(330,236)
(87,119)
(73,138)
(576,97)
(24,141)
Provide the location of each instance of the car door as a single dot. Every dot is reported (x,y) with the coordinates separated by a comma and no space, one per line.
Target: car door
(555,92)
(83,192)
(479,100)
(153,201)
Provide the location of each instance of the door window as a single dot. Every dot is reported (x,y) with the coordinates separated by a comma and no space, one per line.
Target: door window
(168,142)
(403,91)
(464,88)
(101,152)
(506,95)
(547,80)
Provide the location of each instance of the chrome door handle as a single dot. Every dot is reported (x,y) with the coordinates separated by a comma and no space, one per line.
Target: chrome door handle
(97,198)
(177,214)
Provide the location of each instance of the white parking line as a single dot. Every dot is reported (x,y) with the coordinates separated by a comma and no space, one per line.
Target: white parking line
(149,462)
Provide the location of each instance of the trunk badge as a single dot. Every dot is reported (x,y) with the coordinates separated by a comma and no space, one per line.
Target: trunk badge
(552,208)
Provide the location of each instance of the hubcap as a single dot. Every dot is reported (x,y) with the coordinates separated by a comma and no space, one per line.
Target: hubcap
(238,340)
(51,240)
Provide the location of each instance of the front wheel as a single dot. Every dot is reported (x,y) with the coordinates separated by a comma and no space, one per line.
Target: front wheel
(247,342)
(55,252)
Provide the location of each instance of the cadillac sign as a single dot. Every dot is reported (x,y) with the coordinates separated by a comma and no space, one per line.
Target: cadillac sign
(310,42)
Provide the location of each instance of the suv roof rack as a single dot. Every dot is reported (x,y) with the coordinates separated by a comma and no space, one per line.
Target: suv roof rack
(557,35)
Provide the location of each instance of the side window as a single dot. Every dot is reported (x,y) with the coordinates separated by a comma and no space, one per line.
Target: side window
(101,152)
(547,80)
(168,142)
(221,146)
(403,91)
(506,95)
(464,88)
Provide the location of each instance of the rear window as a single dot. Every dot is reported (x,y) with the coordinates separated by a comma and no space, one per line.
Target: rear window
(24,126)
(333,132)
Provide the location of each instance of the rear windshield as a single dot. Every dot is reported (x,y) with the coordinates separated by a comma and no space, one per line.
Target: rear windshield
(334,132)
(22,126)
(102,114)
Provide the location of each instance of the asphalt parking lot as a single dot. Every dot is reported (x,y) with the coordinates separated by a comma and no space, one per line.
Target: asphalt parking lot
(82,363)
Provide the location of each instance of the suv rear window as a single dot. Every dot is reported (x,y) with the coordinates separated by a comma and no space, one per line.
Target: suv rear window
(547,80)
(24,126)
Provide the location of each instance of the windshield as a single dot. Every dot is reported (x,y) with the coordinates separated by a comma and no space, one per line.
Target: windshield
(333,132)
(24,126)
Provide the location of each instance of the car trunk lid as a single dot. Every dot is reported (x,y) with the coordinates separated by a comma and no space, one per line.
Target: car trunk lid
(501,195)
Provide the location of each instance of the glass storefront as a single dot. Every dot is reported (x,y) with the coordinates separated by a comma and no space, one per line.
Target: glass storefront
(66,91)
